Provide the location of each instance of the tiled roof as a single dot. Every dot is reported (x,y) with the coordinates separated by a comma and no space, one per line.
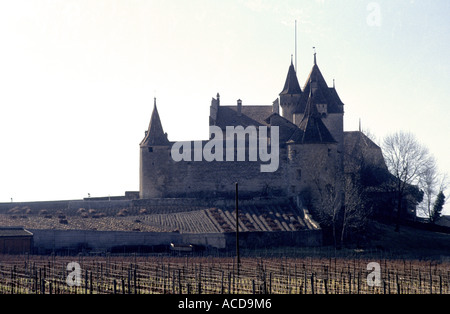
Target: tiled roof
(357,146)
(250,115)
(325,95)
(291,86)
(286,127)
(14,232)
(311,129)
(155,135)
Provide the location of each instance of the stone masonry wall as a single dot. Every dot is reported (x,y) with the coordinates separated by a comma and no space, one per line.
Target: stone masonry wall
(163,177)
(45,241)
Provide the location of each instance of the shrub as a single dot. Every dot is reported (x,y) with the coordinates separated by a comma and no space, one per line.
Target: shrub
(123,212)
(143,211)
(98,215)
(13,210)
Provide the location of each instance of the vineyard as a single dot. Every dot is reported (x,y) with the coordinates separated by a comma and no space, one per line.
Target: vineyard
(182,219)
(217,275)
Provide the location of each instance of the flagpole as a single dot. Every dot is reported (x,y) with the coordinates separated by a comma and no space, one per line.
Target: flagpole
(295,45)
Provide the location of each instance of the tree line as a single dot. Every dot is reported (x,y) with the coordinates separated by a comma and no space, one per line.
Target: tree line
(403,184)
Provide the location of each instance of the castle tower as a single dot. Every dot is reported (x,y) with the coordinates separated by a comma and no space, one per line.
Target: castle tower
(312,128)
(314,161)
(291,95)
(155,135)
(327,102)
(154,148)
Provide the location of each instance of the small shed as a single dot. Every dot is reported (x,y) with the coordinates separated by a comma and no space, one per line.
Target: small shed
(15,240)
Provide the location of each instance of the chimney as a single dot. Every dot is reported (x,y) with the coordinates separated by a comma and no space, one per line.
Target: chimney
(239,107)
(276,106)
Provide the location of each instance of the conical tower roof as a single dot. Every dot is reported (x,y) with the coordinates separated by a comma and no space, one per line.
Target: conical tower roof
(155,135)
(311,129)
(316,79)
(291,86)
(322,93)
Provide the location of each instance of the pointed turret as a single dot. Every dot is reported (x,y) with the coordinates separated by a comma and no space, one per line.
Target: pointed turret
(316,80)
(291,94)
(323,94)
(311,129)
(155,135)
(291,86)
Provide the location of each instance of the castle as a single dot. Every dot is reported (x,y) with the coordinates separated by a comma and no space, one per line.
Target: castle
(289,160)
(313,150)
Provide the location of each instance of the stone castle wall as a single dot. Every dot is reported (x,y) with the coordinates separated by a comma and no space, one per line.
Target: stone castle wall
(151,203)
(299,166)
(161,176)
(45,241)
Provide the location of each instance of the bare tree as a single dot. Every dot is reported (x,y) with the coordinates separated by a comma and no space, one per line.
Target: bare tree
(356,212)
(431,182)
(408,161)
(339,197)
(326,193)
(367,132)
(428,183)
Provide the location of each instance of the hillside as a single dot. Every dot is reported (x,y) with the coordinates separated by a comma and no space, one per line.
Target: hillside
(188,220)
(408,242)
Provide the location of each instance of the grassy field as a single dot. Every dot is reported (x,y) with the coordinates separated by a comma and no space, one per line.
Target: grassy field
(409,242)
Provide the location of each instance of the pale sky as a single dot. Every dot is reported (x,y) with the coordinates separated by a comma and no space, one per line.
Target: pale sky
(78,77)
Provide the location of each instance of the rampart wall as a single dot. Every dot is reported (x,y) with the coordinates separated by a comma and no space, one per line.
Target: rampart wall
(149,203)
(162,177)
(46,241)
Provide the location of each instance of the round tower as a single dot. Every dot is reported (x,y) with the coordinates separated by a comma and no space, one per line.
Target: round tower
(291,95)
(154,152)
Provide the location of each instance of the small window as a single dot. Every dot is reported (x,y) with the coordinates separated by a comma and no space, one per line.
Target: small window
(299,174)
(150,149)
(293,189)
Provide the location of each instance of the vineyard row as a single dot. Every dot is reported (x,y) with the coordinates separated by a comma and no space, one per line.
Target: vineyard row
(169,275)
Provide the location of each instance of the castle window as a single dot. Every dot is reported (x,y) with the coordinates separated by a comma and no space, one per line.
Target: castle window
(292,188)
(299,174)
(322,109)
(150,149)
(293,153)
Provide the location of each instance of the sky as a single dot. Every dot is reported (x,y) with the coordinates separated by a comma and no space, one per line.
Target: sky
(78,78)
